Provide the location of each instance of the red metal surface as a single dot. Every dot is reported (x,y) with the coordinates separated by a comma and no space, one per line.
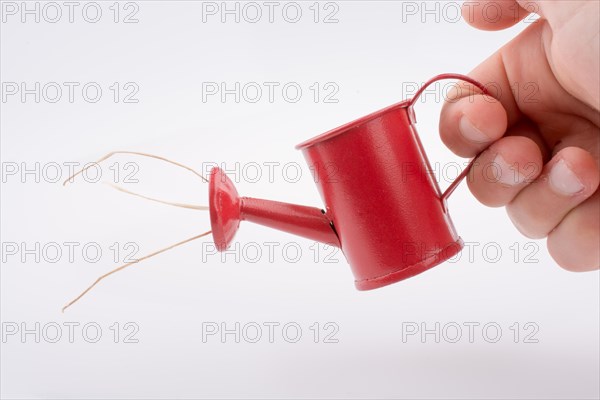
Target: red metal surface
(227,209)
(224,208)
(383,201)
(383,207)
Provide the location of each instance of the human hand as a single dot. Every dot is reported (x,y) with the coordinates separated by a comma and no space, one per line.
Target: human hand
(543,131)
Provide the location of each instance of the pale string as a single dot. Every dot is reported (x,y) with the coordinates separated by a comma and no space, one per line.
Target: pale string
(191,206)
(112,153)
(131,263)
(182,205)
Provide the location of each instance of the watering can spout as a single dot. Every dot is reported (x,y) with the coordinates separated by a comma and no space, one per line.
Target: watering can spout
(228,209)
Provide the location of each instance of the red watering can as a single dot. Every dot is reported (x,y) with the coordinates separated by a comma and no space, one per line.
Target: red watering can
(382,206)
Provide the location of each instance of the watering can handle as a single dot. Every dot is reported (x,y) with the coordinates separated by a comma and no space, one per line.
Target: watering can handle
(413,120)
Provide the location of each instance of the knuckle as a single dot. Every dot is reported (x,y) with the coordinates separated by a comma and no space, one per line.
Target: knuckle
(533,225)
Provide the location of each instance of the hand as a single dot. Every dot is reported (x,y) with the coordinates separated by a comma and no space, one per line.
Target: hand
(543,131)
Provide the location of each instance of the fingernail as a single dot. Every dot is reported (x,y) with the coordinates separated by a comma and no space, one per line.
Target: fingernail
(470,132)
(564,181)
(507,174)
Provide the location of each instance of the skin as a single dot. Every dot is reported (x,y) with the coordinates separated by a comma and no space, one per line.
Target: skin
(544,137)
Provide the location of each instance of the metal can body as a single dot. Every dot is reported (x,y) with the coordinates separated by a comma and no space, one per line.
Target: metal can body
(386,207)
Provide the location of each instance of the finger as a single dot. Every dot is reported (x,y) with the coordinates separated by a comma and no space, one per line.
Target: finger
(504,169)
(493,15)
(574,244)
(470,124)
(505,75)
(491,119)
(530,131)
(566,181)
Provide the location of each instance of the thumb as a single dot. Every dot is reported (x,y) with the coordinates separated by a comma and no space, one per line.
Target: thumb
(494,15)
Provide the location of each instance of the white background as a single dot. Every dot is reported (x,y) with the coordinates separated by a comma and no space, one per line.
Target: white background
(369,53)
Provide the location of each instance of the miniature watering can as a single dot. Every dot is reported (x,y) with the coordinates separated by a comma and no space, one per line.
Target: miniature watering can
(382,206)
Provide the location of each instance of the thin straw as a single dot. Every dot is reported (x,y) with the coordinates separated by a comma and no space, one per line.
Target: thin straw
(131,263)
(69,179)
